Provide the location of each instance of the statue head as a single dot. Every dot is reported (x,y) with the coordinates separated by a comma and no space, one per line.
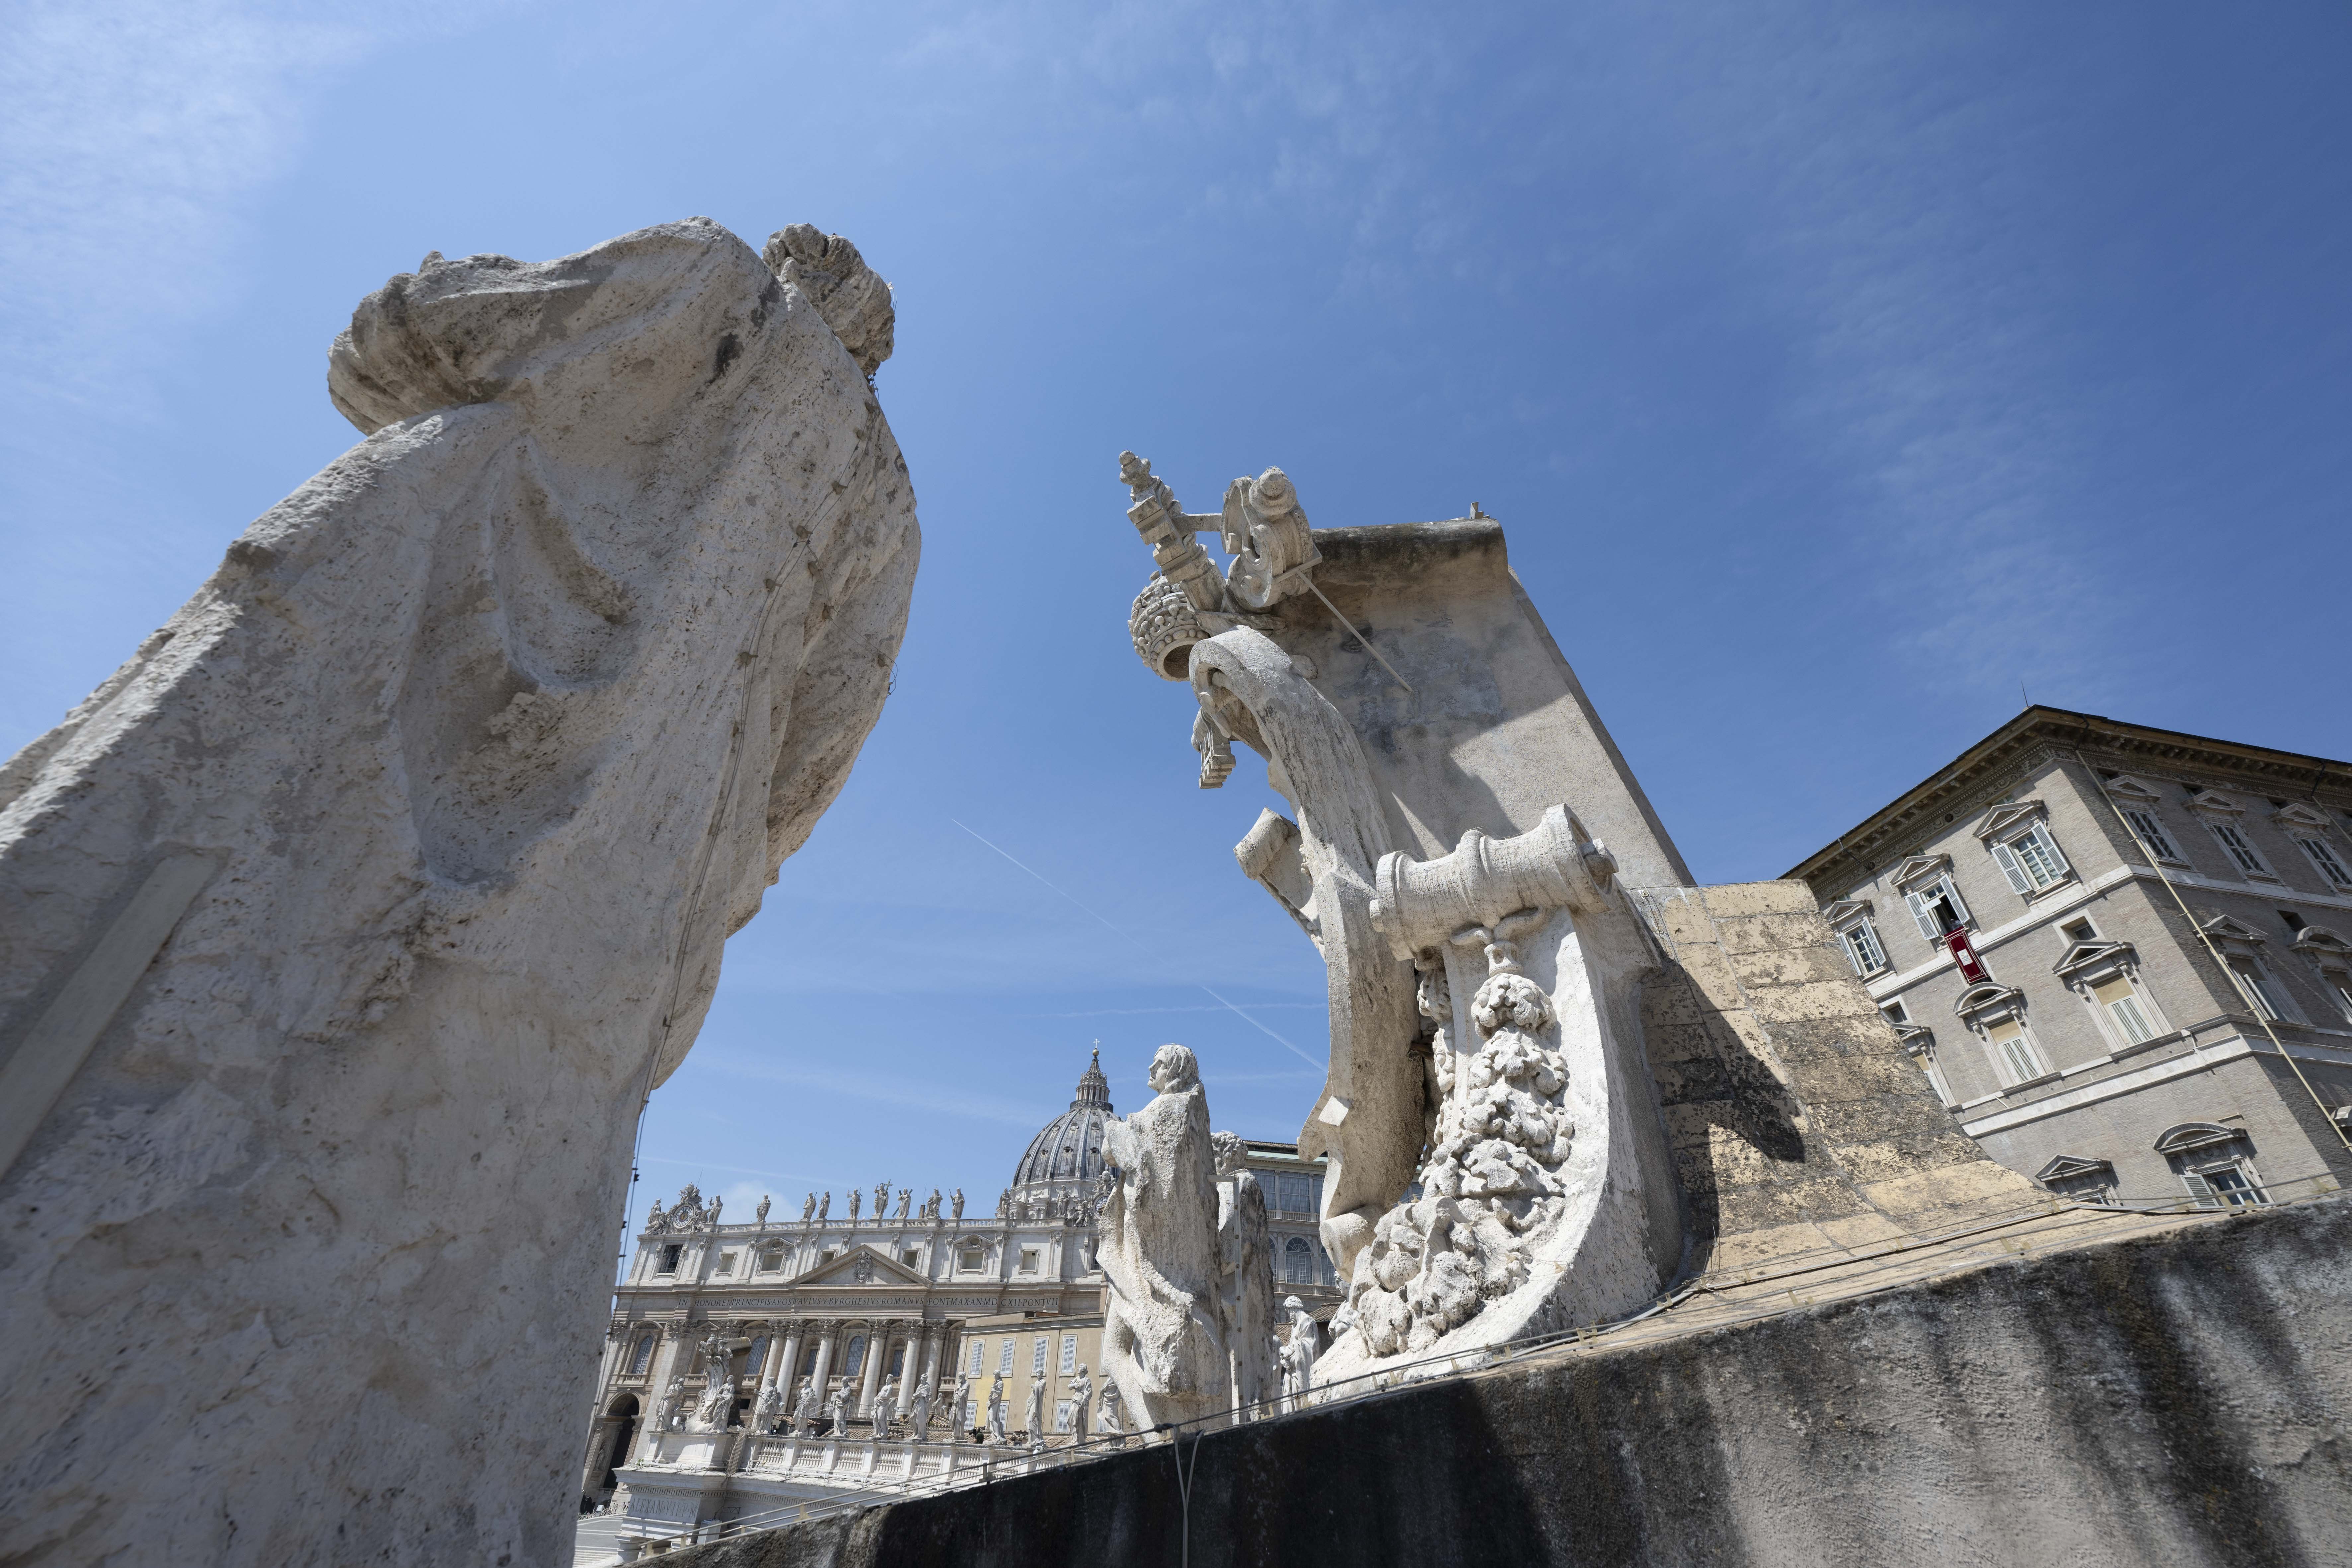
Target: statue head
(1174,1069)
(1293,1304)
(1232,1152)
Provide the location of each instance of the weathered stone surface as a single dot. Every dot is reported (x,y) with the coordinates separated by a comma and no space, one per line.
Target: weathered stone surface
(2181,1399)
(1163,1341)
(432,810)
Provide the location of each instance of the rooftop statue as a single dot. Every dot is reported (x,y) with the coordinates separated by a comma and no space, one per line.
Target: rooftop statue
(344,928)
(1162,1339)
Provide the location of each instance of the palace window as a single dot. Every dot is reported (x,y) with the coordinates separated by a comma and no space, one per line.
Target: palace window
(725,1263)
(1069,1354)
(1062,1415)
(2323,854)
(2013,1052)
(911,1256)
(669,1256)
(757,1357)
(641,1355)
(2151,832)
(772,1258)
(2116,997)
(1030,1257)
(2261,989)
(856,1359)
(897,1367)
(1039,1353)
(979,1357)
(2241,854)
(2031,861)
(1863,948)
(1937,908)
(2084,1180)
(972,1257)
(1005,1358)
(1288,1192)
(2212,1163)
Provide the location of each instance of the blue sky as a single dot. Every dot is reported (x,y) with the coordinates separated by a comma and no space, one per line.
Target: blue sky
(1837,370)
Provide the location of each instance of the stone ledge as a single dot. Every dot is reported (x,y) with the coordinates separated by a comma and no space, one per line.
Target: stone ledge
(2174,1396)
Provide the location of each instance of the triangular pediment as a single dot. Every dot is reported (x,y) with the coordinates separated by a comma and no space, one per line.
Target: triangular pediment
(1917,869)
(2072,1167)
(2296,813)
(2222,928)
(862,1265)
(1845,910)
(2007,815)
(2213,802)
(2093,955)
(2134,792)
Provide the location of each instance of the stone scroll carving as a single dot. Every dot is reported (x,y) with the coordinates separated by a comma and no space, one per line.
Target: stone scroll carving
(487,735)
(1262,527)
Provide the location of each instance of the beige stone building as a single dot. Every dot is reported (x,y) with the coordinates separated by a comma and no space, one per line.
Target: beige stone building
(2119,954)
(720,1328)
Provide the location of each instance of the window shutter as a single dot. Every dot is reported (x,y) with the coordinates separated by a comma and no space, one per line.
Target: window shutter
(2057,856)
(2201,1189)
(2018,881)
(1958,908)
(1926,921)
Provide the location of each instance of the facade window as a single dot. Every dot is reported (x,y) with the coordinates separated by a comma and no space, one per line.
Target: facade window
(2322,856)
(1004,1356)
(726,1263)
(641,1356)
(772,1258)
(2221,1184)
(2151,832)
(898,1366)
(1029,1257)
(2013,1052)
(2241,854)
(1038,1352)
(2031,861)
(971,1258)
(911,1256)
(2083,1180)
(1297,1262)
(2260,990)
(1069,1354)
(856,1359)
(1938,908)
(669,1256)
(979,1357)
(1062,1415)
(1288,1192)
(2116,999)
(1861,946)
(757,1357)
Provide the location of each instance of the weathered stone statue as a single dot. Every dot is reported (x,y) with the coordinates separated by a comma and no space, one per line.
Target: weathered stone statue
(884,1412)
(379,885)
(837,1407)
(856,1201)
(957,1399)
(1245,1307)
(1300,1339)
(1033,1421)
(881,1198)
(919,1412)
(996,1409)
(904,1193)
(667,1409)
(1114,1414)
(824,1208)
(808,1208)
(760,1213)
(805,1409)
(769,1409)
(718,1402)
(1082,1396)
(1162,1344)
(959,1205)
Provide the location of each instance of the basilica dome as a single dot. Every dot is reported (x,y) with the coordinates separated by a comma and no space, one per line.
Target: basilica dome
(1065,1158)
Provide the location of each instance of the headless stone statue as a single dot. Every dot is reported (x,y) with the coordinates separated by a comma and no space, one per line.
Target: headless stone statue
(384,878)
(1082,1393)
(1033,1421)
(1162,1344)
(1245,1275)
(1114,1415)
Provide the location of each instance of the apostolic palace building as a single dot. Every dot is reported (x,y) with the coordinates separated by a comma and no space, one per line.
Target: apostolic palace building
(845,1311)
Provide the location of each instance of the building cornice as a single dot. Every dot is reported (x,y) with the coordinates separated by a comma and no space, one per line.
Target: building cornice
(1919,813)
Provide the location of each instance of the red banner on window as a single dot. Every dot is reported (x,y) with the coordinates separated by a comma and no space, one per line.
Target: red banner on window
(1972,968)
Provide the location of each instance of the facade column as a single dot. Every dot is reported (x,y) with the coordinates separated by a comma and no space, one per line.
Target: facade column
(788,1368)
(930,1372)
(824,1349)
(877,1341)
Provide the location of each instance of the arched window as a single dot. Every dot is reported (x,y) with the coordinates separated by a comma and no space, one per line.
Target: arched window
(642,1356)
(758,1357)
(1297,1262)
(857,1357)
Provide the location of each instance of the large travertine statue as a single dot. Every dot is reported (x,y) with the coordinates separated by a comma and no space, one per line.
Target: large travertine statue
(344,929)
(1245,1303)
(1163,1344)
(1496,1164)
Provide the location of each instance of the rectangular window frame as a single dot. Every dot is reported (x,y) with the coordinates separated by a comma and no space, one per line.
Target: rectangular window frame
(1862,948)
(2240,852)
(2116,1013)
(2153,836)
(1009,1354)
(2006,1061)
(1045,1348)
(1919,900)
(2324,860)
(2261,989)
(1069,1354)
(2031,860)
